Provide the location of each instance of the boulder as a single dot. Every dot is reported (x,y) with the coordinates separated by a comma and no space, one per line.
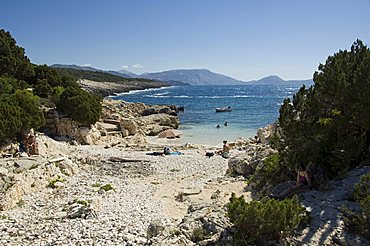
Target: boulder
(130,125)
(166,110)
(154,130)
(264,134)
(160,119)
(89,135)
(155,227)
(241,164)
(22,176)
(149,111)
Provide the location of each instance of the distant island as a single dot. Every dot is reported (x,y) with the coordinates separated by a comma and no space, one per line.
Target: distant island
(193,77)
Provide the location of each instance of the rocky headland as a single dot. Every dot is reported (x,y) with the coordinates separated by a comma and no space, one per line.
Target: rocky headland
(109,88)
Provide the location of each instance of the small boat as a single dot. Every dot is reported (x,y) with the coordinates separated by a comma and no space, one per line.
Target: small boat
(226,109)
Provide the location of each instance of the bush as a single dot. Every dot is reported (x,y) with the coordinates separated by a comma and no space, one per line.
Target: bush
(272,171)
(329,124)
(10,117)
(359,223)
(13,61)
(18,112)
(265,220)
(80,105)
(107,187)
(43,89)
(32,116)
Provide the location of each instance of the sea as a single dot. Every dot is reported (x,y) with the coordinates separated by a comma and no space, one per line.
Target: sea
(253,107)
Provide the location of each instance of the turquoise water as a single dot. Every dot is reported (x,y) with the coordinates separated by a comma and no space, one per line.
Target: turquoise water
(252,107)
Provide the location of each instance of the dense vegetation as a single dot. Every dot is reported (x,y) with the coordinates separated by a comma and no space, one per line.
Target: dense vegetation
(329,124)
(100,76)
(360,222)
(24,86)
(80,105)
(265,220)
(326,126)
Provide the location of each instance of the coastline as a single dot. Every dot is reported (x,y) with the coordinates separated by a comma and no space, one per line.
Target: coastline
(106,89)
(116,191)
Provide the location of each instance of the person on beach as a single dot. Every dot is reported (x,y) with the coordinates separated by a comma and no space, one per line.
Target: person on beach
(225,124)
(303,183)
(30,143)
(225,152)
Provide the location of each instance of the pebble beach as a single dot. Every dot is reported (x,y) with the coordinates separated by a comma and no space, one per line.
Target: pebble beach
(145,188)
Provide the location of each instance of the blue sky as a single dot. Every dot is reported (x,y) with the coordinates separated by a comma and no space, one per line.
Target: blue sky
(244,39)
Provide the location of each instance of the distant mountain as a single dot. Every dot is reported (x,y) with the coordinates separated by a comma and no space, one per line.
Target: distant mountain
(84,72)
(193,77)
(276,80)
(123,73)
(120,73)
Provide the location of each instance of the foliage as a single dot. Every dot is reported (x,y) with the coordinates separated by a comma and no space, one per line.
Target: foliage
(96,76)
(97,184)
(265,220)
(18,112)
(82,202)
(52,183)
(359,223)
(32,116)
(272,171)
(43,89)
(46,74)
(199,234)
(80,105)
(9,85)
(107,187)
(13,61)
(10,117)
(19,108)
(329,124)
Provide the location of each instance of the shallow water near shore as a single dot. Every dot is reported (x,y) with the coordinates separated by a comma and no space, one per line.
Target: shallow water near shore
(252,106)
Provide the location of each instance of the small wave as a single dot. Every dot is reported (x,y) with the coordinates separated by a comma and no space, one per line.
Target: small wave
(164,96)
(234,96)
(141,91)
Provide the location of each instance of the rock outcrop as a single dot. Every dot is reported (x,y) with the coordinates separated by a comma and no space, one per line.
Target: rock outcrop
(58,124)
(20,176)
(326,225)
(119,118)
(246,162)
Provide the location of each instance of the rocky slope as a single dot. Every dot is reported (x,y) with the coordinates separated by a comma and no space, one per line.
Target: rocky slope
(110,88)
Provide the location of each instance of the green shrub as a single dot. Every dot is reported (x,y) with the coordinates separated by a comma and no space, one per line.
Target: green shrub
(43,89)
(359,223)
(18,112)
(10,117)
(272,171)
(57,92)
(199,234)
(265,220)
(32,116)
(82,202)
(328,124)
(54,180)
(13,61)
(80,105)
(97,184)
(107,187)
